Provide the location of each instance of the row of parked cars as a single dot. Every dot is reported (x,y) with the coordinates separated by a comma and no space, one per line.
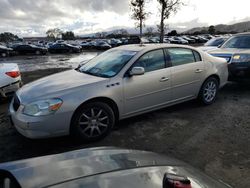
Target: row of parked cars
(60,46)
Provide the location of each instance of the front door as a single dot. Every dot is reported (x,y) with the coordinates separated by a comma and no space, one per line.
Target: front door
(150,90)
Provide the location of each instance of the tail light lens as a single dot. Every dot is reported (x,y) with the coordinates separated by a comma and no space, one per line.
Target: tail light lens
(176,181)
(13,74)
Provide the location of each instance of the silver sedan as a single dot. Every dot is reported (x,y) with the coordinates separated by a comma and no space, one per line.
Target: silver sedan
(120,83)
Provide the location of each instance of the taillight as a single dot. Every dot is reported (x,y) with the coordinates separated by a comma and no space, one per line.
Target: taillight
(13,74)
(176,181)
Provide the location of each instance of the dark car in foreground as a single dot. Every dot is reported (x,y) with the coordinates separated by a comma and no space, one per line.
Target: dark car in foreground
(64,48)
(104,167)
(236,50)
(29,49)
(5,51)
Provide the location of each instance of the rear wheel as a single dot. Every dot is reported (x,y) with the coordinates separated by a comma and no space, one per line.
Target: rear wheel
(209,90)
(92,121)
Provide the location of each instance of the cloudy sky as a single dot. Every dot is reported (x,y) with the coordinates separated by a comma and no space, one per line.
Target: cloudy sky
(35,17)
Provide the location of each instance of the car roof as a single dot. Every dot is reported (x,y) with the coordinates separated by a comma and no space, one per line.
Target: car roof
(148,47)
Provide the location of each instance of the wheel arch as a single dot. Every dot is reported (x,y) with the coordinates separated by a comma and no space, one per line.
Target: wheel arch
(213,76)
(105,100)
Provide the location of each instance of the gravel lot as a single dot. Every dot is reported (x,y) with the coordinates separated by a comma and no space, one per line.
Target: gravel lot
(214,139)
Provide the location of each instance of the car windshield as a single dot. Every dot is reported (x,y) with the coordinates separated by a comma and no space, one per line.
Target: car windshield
(215,42)
(238,42)
(108,64)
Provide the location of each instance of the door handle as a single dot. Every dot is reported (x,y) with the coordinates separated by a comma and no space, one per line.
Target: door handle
(164,79)
(198,71)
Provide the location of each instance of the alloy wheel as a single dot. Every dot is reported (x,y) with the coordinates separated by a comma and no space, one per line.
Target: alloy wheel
(93,122)
(210,91)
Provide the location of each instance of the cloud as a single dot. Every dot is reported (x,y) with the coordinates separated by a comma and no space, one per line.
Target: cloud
(36,16)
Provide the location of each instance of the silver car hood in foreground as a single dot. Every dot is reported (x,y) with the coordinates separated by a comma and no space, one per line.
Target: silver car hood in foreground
(62,169)
(56,84)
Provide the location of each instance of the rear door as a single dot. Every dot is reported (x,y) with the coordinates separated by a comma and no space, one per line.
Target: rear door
(151,89)
(187,70)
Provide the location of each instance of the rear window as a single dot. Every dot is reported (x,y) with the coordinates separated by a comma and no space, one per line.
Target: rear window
(181,56)
(197,56)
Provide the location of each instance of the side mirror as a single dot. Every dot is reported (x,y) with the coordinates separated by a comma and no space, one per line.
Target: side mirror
(136,71)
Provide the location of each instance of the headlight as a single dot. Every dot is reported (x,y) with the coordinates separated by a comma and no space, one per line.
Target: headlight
(238,58)
(42,108)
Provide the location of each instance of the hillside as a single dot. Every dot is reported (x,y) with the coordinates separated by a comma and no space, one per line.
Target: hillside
(238,27)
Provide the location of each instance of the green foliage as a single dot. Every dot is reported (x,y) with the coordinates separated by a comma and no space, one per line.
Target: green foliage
(68,35)
(173,33)
(8,37)
(211,30)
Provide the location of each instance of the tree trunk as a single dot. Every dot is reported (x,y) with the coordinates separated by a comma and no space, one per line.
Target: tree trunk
(162,25)
(140,29)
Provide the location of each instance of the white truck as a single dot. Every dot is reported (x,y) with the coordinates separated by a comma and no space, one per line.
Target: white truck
(10,79)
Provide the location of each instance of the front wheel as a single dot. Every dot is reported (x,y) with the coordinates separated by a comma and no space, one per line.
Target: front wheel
(209,90)
(93,121)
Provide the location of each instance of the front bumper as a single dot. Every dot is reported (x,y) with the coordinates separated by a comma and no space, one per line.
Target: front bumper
(239,71)
(39,127)
(10,89)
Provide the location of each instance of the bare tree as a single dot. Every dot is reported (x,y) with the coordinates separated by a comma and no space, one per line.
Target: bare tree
(139,13)
(54,33)
(150,31)
(168,7)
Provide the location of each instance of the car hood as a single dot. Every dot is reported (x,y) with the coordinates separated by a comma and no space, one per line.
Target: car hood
(55,85)
(120,165)
(229,51)
(53,169)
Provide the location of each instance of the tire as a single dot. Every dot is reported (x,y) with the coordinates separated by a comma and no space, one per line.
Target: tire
(97,120)
(209,91)
(38,52)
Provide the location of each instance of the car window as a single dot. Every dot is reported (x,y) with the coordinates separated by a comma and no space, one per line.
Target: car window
(197,56)
(238,42)
(109,63)
(180,56)
(151,61)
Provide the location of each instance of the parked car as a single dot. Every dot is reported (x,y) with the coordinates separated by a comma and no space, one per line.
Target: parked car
(86,45)
(133,40)
(180,40)
(101,45)
(202,39)
(119,83)
(190,41)
(10,79)
(213,44)
(29,49)
(172,40)
(5,51)
(104,167)
(236,50)
(115,42)
(64,48)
